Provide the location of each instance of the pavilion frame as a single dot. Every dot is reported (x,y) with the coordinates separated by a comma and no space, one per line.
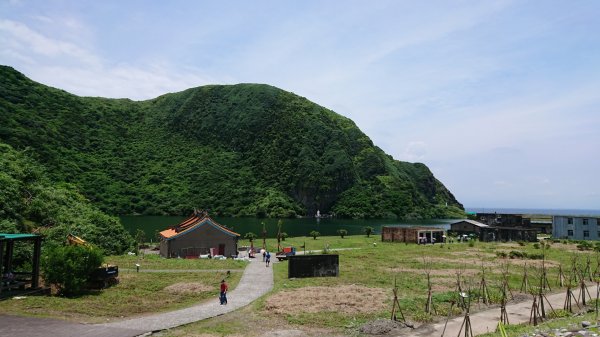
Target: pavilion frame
(7,245)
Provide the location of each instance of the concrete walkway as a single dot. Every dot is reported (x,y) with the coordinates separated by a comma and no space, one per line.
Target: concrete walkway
(256,281)
(487,320)
(21,326)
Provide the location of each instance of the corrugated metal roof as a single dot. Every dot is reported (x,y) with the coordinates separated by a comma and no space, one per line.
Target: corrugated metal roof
(16,236)
(472,222)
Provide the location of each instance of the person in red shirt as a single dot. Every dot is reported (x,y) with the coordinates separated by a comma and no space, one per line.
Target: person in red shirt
(223,296)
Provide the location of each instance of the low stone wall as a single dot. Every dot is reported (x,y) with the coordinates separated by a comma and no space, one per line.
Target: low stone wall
(313,266)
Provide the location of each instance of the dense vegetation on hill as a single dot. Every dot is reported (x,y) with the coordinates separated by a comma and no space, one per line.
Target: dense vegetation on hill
(30,202)
(238,150)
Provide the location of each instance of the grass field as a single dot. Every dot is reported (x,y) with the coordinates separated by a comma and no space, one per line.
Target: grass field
(136,293)
(330,305)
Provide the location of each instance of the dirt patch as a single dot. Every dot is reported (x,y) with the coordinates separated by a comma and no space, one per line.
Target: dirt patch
(442,273)
(471,253)
(187,288)
(350,299)
(383,327)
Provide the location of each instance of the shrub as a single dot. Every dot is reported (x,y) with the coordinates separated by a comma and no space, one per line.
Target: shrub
(584,245)
(521,243)
(534,256)
(471,243)
(314,234)
(536,245)
(502,255)
(422,317)
(515,254)
(342,232)
(69,267)
(368,230)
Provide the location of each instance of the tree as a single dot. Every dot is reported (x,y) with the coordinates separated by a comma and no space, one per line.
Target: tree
(69,268)
(250,237)
(284,235)
(368,230)
(342,232)
(140,237)
(314,234)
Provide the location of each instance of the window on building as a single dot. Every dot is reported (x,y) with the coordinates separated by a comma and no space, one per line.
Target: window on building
(585,221)
(570,221)
(570,232)
(586,234)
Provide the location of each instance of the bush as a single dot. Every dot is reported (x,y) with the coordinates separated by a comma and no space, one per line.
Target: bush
(536,245)
(69,267)
(515,254)
(314,234)
(342,232)
(368,230)
(422,317)
(584,245)
(522,243)
(502,255)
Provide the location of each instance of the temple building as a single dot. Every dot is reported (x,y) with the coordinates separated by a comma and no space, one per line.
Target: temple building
(198,235)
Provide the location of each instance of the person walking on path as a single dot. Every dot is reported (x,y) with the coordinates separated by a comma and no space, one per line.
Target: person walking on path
(223,296)
(268,259)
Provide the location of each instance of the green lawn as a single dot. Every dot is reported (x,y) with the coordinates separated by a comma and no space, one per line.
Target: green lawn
(155,262)
(136,293)
(371,263)
(377,264)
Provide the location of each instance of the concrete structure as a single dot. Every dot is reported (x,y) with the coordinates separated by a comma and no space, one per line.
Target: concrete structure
(542,223)
(198,235)
(323,265)
(412,234)
(503,220)
(575,227)
(498,233)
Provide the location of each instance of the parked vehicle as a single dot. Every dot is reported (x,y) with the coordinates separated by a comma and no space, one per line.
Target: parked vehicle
(285,253)
(105,275)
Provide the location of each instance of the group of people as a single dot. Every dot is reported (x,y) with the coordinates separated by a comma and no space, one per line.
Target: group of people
(266,257)
(224,287)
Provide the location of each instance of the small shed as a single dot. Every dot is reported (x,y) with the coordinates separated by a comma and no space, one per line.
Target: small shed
(198,235)
(466,227)
(412,234)
(22,280)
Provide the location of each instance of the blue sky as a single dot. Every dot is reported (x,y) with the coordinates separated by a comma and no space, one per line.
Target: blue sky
(500,99)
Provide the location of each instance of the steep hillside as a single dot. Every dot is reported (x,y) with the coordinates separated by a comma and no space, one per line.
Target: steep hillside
(29,202)
(242,150)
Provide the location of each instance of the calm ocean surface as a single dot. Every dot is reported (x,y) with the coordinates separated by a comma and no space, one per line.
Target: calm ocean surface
(301,227)
(541,211)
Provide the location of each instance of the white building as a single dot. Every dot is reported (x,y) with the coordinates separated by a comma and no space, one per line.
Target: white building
(575,227)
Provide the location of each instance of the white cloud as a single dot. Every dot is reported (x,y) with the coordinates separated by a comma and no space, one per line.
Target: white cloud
(415,151)
(24,38)
(82,72)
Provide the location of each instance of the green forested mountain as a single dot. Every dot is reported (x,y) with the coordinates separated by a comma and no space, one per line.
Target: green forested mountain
(240,150)
(30,202)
